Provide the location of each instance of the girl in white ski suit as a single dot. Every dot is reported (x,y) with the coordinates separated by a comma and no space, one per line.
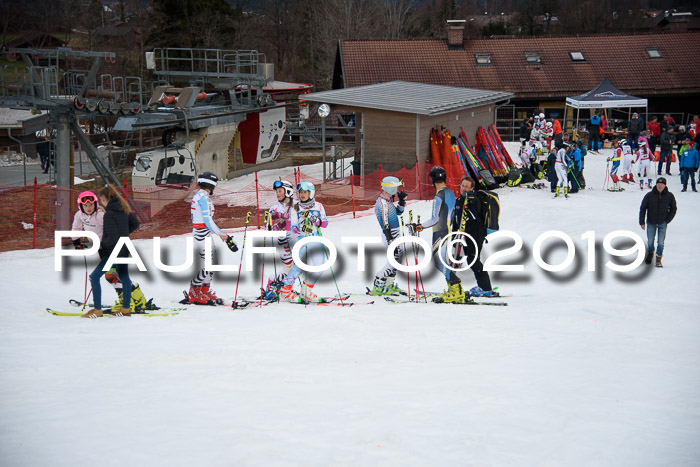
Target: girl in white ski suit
(627,160)
(644,165)
(561,167)
(280,215)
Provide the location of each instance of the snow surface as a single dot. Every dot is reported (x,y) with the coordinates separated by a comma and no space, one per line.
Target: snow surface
(581,369)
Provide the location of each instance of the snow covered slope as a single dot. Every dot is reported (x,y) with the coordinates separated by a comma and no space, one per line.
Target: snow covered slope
(581,369)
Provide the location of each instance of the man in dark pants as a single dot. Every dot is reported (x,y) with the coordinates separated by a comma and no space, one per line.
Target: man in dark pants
(658,208)
(667,140)
(474,227)
(634,128)
(594,132)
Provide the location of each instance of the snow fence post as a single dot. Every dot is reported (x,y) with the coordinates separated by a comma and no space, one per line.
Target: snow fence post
(34,219)
(257,198)
(420,189)
(352,190)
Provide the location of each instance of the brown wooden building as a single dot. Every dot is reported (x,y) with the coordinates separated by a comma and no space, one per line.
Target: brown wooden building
(394,119)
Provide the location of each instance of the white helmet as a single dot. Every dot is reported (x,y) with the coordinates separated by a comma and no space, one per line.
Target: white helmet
(288,187)
(623,142)
(541,116)
(549,124)
(642,143)
(537,118)
(538,145)
(307,186)
(391,185)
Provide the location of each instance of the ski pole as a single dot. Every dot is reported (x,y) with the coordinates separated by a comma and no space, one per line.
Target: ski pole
(245,231)
(420,275)
(412,233)
(607,174)
(574,176)
(408,274)
(262,273)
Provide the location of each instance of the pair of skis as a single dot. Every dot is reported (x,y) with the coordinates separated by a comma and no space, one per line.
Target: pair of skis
(108,311)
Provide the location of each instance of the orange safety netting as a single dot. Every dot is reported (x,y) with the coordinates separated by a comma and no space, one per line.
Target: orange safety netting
(31,214)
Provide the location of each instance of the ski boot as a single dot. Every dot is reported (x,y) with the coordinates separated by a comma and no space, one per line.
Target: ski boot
(453,294)
(658,261)
(556,192)
(286,294)
(379,291)
(138,300)
(120,300)
(393,289)
(624,178)
(272,290)
(307,293)
(566,192)
(196,297)
(209,294)
(479,292)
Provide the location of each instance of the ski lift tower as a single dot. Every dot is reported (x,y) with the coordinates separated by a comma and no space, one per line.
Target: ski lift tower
(46,83)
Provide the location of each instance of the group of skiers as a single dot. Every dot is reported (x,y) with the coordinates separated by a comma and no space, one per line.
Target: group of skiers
(305,216)
(298,214)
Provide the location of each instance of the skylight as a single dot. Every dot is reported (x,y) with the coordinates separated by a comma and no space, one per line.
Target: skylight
(532,58)
(654,53)
(577,57)
(483,59)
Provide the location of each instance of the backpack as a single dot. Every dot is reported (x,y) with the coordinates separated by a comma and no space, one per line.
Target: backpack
(490,208)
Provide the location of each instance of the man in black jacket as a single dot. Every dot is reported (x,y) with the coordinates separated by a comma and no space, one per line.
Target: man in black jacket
(658,208)
(474,227)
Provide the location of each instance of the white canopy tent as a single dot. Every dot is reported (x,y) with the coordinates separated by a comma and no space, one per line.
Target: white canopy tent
(605,96)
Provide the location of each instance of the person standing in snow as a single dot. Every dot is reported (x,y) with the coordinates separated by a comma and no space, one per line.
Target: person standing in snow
(562,164)
(118,221)
(307,219)
(615,159)
(475,227)
(644,165)
(594,131)
(388,218)
(280,220)
(689,162)
(203,226)
(443,207)
(634,129)
(667,140)
(657,210)
(627,161)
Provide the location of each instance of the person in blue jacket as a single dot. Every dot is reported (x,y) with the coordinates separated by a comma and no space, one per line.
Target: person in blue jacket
(689,163)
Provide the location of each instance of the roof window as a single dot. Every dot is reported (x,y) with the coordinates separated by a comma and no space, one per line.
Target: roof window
(654,53)
(532,58)
(483,59)
(577,57)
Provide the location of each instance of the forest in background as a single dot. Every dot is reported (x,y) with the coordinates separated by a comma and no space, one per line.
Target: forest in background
(301,36)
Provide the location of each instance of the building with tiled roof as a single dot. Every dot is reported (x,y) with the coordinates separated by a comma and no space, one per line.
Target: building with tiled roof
(662,67)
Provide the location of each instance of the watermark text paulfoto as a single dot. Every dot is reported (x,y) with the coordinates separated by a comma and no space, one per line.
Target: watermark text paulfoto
(450,252)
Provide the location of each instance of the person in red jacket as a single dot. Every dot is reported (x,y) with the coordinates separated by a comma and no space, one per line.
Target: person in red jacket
(654,134)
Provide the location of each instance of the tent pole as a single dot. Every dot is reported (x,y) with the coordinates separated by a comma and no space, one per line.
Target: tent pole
(575,129)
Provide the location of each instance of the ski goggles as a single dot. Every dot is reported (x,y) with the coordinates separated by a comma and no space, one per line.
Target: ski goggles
(305,186)
(277,184)
(87,197)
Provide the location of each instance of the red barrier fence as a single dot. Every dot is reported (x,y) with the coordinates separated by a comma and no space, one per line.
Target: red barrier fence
(30,214)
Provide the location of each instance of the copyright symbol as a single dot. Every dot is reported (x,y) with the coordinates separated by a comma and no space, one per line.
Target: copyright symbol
(455,241)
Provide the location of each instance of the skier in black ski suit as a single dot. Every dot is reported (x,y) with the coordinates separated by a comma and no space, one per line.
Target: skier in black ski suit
(474,227)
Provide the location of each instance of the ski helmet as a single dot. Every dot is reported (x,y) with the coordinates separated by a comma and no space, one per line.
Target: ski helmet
(391,185)
(549,124)
(208,179)
(541,116)
(642,143)
(288,188)
(537,118)
(437,174)
(307,186)
(623,142)
(87,197)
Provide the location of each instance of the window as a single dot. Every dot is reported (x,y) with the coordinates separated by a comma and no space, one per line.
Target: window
(654,53)
(532,58)
(483,59)
(577,57)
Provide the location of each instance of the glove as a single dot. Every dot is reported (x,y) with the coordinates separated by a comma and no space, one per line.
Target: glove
(402,198)
(231,244)
(387,234)
(417,227)
(318,222)
(608,159)
(80,243)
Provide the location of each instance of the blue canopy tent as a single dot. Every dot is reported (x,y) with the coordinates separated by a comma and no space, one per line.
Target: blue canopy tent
(605,96)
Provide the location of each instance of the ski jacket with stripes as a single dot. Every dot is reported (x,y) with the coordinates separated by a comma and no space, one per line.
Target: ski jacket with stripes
(202,212)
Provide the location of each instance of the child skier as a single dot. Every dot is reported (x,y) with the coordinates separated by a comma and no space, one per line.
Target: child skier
(203,226)
(562,164)
(307,219)
(280,220)
(387,216)
(443,207)
(89,218)
(644,165)
(615,159)
(627,161)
